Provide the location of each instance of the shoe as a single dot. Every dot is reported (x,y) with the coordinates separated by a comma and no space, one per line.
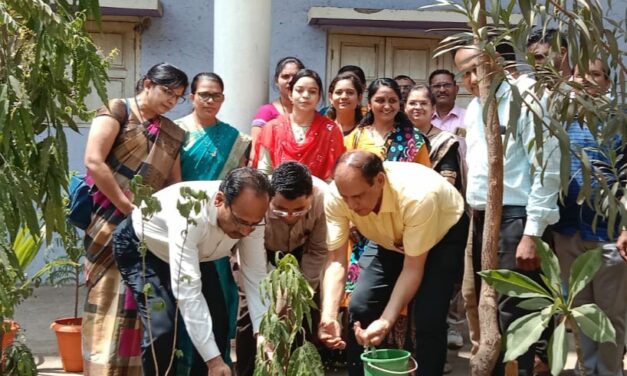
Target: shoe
(447,368)
(454,339)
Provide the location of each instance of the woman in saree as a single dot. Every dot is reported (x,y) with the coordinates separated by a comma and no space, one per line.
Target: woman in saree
(128,137)
(345,93)
(303,135)
(445,159)
(211,149)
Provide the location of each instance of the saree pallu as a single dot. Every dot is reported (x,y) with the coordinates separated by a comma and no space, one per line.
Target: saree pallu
(403,144)
(443,143)
(322,146)
(111,330)
(210,154)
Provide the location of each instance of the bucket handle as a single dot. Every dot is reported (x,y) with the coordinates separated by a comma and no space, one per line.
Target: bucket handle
(396,372)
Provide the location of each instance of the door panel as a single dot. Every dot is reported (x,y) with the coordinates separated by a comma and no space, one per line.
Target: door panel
(367,52)
(121,37)
(381,56)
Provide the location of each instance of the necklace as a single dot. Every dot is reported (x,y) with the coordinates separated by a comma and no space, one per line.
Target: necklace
(429,131)
(377,137)
(139,111)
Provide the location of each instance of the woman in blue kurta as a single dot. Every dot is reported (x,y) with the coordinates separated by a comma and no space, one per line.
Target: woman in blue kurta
(211,149)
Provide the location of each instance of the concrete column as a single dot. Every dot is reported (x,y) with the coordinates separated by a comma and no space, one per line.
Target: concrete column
(241,56)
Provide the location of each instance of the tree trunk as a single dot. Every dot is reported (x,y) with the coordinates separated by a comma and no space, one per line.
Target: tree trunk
(483,362)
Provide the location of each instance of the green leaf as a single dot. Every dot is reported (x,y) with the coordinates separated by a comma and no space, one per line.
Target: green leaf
(582,271)
(549,264)
(514,284)
(558,349)
(523,333)
(594,323)
(535,304)
(305,361)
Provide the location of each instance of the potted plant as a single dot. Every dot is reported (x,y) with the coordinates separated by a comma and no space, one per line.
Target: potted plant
(15,357)
(551,300)
(66,270)
(290,300)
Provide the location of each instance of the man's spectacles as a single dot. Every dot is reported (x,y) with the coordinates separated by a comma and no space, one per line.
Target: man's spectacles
(285,213)
(171,94)
(205,96)
(446,86)
(243,224)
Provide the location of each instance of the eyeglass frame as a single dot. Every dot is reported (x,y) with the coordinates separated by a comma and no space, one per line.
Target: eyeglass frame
(211,96)
(171,94)
(242,224)
(286,213)
(446,85)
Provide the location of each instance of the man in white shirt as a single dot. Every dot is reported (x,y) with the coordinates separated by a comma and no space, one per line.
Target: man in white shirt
(529,188)
(179,251)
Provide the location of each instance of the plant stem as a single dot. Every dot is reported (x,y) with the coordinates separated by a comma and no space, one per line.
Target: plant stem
(76,287)
(577,336)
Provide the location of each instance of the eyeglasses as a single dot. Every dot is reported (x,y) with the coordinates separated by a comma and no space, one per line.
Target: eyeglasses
(171,94)
(285,213)
(446,86)
(205,96)
(243,224)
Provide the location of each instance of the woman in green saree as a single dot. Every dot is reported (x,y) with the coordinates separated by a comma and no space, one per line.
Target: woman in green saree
(210,150)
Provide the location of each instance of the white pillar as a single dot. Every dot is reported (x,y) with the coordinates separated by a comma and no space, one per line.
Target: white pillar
(241,56)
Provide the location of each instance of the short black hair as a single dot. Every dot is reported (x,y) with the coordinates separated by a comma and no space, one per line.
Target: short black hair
(292,180)
(441,71)
(426,89)
(506,50)
(404,77)
(368,163)
(209,76)
(356,70)
(280,65)
(540,35)
(244,177)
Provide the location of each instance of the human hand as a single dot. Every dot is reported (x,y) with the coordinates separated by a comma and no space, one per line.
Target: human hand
(329,333)
(374,334)
(217,367)
(621,244)
(526,257)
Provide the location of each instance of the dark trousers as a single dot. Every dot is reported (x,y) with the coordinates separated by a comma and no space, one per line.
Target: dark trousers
(512,227)
(379,271)
(158,308)
(430,308)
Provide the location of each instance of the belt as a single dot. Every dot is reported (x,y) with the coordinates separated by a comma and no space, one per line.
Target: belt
(509,211)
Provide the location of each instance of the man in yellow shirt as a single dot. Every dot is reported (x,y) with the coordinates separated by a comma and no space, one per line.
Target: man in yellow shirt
(405,210)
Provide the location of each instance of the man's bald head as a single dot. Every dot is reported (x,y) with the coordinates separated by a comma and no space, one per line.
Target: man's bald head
(359,177)
(369,164)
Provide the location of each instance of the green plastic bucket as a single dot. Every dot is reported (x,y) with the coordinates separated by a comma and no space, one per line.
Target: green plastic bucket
(385,362)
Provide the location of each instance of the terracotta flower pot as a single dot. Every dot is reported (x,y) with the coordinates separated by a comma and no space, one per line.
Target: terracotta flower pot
(9,336)
(68,332)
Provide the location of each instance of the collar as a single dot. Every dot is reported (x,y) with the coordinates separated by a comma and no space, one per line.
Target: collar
(455,111)
(388,201)
(212,211)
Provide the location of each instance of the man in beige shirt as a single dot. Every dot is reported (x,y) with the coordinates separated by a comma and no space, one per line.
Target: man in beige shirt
(407,211)
(295,223)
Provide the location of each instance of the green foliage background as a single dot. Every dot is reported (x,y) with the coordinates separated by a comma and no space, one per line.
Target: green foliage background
(48,65)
